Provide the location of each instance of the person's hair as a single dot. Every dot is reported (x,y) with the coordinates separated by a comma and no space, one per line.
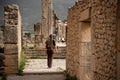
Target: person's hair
(51,36)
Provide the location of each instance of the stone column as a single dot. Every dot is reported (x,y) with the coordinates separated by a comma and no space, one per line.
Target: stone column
(45,27)
(38,37)
(46,19)
(12,36)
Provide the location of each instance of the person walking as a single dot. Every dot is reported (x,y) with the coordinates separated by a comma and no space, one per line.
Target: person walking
(50,46)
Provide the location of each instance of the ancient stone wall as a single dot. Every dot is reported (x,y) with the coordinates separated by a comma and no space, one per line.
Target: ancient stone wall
(118,41)
(72,57)
(12,38)
(104,39)
(101,47)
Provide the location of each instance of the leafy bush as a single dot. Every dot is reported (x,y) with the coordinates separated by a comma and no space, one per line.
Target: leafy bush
(22,63)
(68,77)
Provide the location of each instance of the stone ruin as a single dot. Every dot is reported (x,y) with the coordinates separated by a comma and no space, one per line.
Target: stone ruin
(60,31)
(27,40)
(38,36)
(12,38)
(46,21)
(93,40)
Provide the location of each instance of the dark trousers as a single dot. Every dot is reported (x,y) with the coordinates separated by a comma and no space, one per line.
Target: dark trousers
(49,58)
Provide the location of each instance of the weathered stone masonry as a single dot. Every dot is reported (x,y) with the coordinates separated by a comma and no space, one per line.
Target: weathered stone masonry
(95,57)
(118,41)
(12,38)
(38,37)
(46,23)
(104,39)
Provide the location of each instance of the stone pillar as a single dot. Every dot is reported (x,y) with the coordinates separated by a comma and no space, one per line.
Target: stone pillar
(105,40)
(38,37)
(12,36)
(46,19)
(45,28)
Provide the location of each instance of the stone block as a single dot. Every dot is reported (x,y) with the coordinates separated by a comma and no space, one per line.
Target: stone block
(37,29)
(85,15)
(10,8)
(10,70)
(11,60)
(10,22)
(85,61)
(10,49)
(38,39)
(10,34)
(85,49)
(85,31)
(11,56)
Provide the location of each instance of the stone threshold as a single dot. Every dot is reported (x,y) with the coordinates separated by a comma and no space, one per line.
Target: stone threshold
(41,73)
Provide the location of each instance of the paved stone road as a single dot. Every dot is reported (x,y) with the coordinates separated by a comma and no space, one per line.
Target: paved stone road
(38,77)
(40,66)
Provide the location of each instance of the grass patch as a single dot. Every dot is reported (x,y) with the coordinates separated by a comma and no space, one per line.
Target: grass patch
(22,63)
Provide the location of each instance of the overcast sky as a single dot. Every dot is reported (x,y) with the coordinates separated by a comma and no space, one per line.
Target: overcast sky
(31,10)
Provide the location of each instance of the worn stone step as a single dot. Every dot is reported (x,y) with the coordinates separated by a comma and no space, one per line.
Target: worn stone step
(42,73)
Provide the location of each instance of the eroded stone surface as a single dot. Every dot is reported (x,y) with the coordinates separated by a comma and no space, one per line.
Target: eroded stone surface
(103,17)
(12,38)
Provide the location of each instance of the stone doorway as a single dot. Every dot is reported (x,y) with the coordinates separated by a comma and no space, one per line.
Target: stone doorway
(85,52)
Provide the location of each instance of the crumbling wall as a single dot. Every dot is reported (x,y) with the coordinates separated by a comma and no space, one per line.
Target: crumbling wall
(72,56)
(12,38)
(118,41)
(104,39)
(78,45)
(102,15)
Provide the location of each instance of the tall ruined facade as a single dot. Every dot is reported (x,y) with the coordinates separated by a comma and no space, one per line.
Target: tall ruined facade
(12,38)
(47,13)
(93,40)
